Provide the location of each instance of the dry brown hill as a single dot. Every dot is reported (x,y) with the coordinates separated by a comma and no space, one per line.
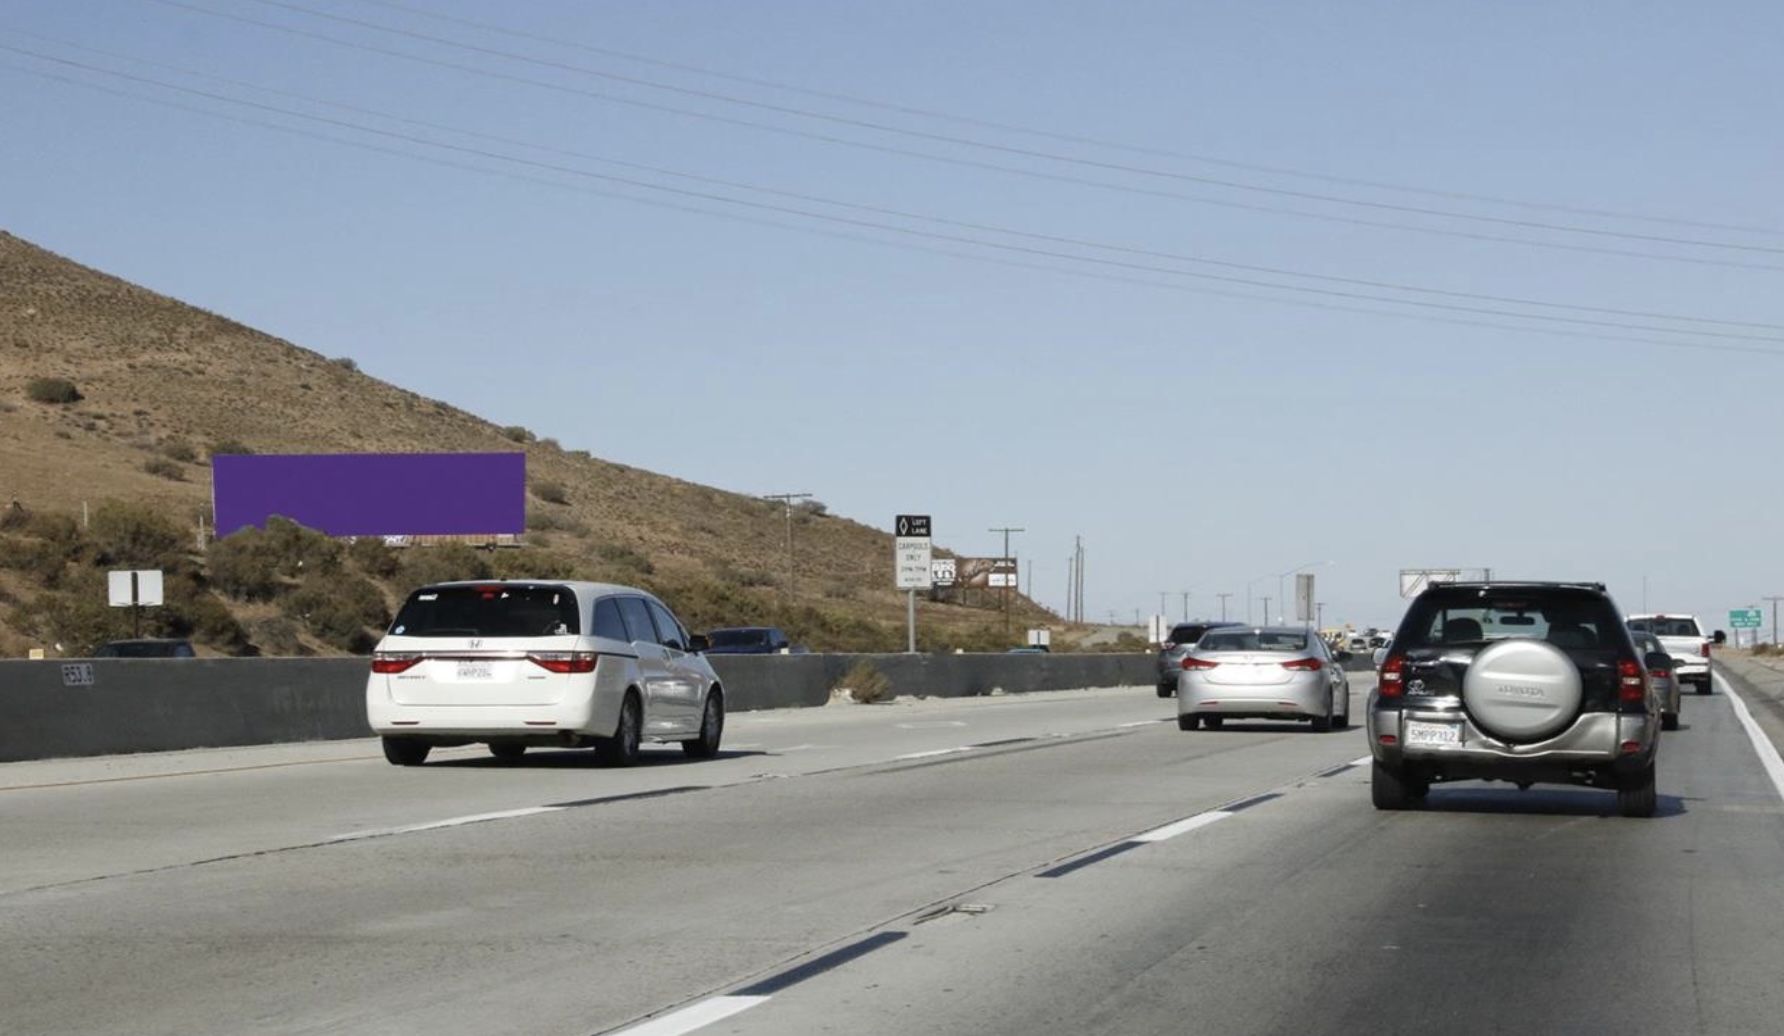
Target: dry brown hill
(162,385)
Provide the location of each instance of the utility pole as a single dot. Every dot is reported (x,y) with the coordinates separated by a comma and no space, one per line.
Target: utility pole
(1186,606)
(1223,598)
(788,498)
(1162,594)
(1319,615)
(1009,577)
(1266,621)
(1774,601)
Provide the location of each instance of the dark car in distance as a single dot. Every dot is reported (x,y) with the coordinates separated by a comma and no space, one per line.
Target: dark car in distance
(747,640)
(1177,643)
(146,647)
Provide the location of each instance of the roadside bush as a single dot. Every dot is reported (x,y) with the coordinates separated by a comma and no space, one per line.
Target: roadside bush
(53,390)
(866,684)
(532,563)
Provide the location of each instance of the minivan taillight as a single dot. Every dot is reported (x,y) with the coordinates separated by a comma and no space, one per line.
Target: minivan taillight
(393,663)
(564,661)
(1632,685)
(1306,664)
(1393,672)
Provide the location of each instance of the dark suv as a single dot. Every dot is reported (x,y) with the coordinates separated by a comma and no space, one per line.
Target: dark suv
(1182,637)
(1522,682)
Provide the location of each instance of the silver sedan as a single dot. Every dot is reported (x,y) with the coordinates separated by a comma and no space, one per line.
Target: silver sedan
(1665,681)
(1268,672)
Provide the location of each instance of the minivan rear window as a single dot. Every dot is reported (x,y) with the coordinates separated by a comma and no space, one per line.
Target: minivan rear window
(495,610)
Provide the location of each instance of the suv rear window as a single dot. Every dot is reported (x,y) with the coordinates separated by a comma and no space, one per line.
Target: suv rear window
(1665,626)
(488,611)
(1564,617)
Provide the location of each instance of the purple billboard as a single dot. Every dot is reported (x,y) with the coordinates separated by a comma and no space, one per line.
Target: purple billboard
(373,494)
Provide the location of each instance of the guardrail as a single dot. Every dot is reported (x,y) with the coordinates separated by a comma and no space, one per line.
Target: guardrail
(84,707)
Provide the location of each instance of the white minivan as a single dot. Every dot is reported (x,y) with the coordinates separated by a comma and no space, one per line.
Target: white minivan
(519,662)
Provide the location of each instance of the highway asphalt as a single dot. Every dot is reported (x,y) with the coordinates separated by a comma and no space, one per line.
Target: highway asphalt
(1065,862)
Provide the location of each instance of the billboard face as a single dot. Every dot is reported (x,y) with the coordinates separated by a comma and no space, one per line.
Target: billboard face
(374,494)
(979,573)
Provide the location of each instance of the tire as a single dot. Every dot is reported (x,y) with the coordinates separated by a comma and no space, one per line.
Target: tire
(1388,789)
(1323,724)
(712,728)
(1669,721)
(1637,797)
(406,751)
(1167,690)
(1703,687)
(507,751)
(1341,721)
(1188,721)
(1213,722)
(1522,690)
(622,748)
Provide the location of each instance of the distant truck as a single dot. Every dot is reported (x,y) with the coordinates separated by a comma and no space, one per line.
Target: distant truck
(1684,639)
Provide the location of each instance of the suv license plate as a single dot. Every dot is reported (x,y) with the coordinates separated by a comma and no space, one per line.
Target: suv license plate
(481,669)
(1417,733)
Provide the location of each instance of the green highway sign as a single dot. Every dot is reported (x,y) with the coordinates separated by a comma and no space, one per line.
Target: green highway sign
(1743,618)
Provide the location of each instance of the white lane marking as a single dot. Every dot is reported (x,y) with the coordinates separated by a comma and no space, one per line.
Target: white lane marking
(476,818)
(694,1016)
(1142,723)
(1159,834)
(933,752)
(931,724)
(1365,761)
(1768,754)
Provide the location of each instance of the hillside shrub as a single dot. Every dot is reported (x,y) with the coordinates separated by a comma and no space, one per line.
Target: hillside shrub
(58,391)
(628,561)
(443,563)
(345,363)
(551,492)
(338,610)
(552,521)
(374,557)
(162,467)
(533,563)
(517,433)
(257,564)
(133,535)
(230,447)
(180,450)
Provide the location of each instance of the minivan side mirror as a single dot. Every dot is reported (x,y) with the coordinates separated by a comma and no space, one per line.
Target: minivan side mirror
(697,642)
(1719,637)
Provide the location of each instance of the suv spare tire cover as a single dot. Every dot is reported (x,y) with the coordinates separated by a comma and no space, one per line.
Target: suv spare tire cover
(1522,689)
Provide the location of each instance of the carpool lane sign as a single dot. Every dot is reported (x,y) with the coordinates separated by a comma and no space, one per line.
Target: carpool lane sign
(910,551)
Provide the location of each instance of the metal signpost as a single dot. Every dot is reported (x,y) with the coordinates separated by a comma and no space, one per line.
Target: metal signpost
(911,564)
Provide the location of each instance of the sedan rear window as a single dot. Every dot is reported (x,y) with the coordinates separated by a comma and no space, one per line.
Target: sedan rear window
(488,611)
(1252,640)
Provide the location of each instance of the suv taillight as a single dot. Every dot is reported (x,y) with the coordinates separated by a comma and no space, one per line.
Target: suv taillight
(1308,664)
(1393,671)
(1191,662)
(1632,685)
(392,663)
(564,661)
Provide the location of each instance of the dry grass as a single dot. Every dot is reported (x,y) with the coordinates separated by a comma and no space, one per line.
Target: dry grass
(162,384)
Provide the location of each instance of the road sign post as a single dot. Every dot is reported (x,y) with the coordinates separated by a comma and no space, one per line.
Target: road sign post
(911,559)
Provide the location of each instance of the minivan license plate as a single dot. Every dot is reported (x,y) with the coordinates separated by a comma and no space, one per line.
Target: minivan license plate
(1417,733)
(476,669)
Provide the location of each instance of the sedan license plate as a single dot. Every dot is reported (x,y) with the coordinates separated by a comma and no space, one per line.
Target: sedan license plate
(476,669)
(1417,733)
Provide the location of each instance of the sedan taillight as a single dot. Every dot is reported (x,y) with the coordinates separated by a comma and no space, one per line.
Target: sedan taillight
(1191,662)
(565,661)
(1304,664)
(394,663)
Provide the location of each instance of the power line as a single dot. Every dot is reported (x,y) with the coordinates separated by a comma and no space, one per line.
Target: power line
(1067,137)
(956,239)
(933,137)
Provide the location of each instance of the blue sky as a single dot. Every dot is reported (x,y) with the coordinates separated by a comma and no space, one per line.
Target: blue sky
(1223,288)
